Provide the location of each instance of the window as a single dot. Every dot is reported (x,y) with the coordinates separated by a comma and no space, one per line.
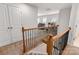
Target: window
(38,20)
(44,19)
(53,20)
(41,20)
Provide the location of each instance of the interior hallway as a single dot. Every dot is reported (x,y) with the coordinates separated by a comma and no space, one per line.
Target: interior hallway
(16,49)
(27,17)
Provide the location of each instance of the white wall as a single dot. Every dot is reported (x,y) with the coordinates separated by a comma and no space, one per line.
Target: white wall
(29,14)
(72,24)
(64,17)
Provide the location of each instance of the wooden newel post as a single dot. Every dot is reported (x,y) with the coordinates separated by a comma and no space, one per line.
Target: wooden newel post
(23,40)
(49,46)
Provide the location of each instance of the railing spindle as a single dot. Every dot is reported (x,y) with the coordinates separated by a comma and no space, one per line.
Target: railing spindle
(24,48)
(34,36)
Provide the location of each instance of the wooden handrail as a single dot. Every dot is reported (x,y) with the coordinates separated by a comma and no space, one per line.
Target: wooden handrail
(29,36)
(40,28)
(50,42)
(54,38)
(58,36)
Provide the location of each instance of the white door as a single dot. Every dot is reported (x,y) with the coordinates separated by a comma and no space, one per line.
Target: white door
(4,24)
(15,23)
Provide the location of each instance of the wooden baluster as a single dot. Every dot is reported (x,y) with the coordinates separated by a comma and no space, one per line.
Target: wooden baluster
(32,38)
(35,38)
(24,49)
(26,39)
(29,38)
